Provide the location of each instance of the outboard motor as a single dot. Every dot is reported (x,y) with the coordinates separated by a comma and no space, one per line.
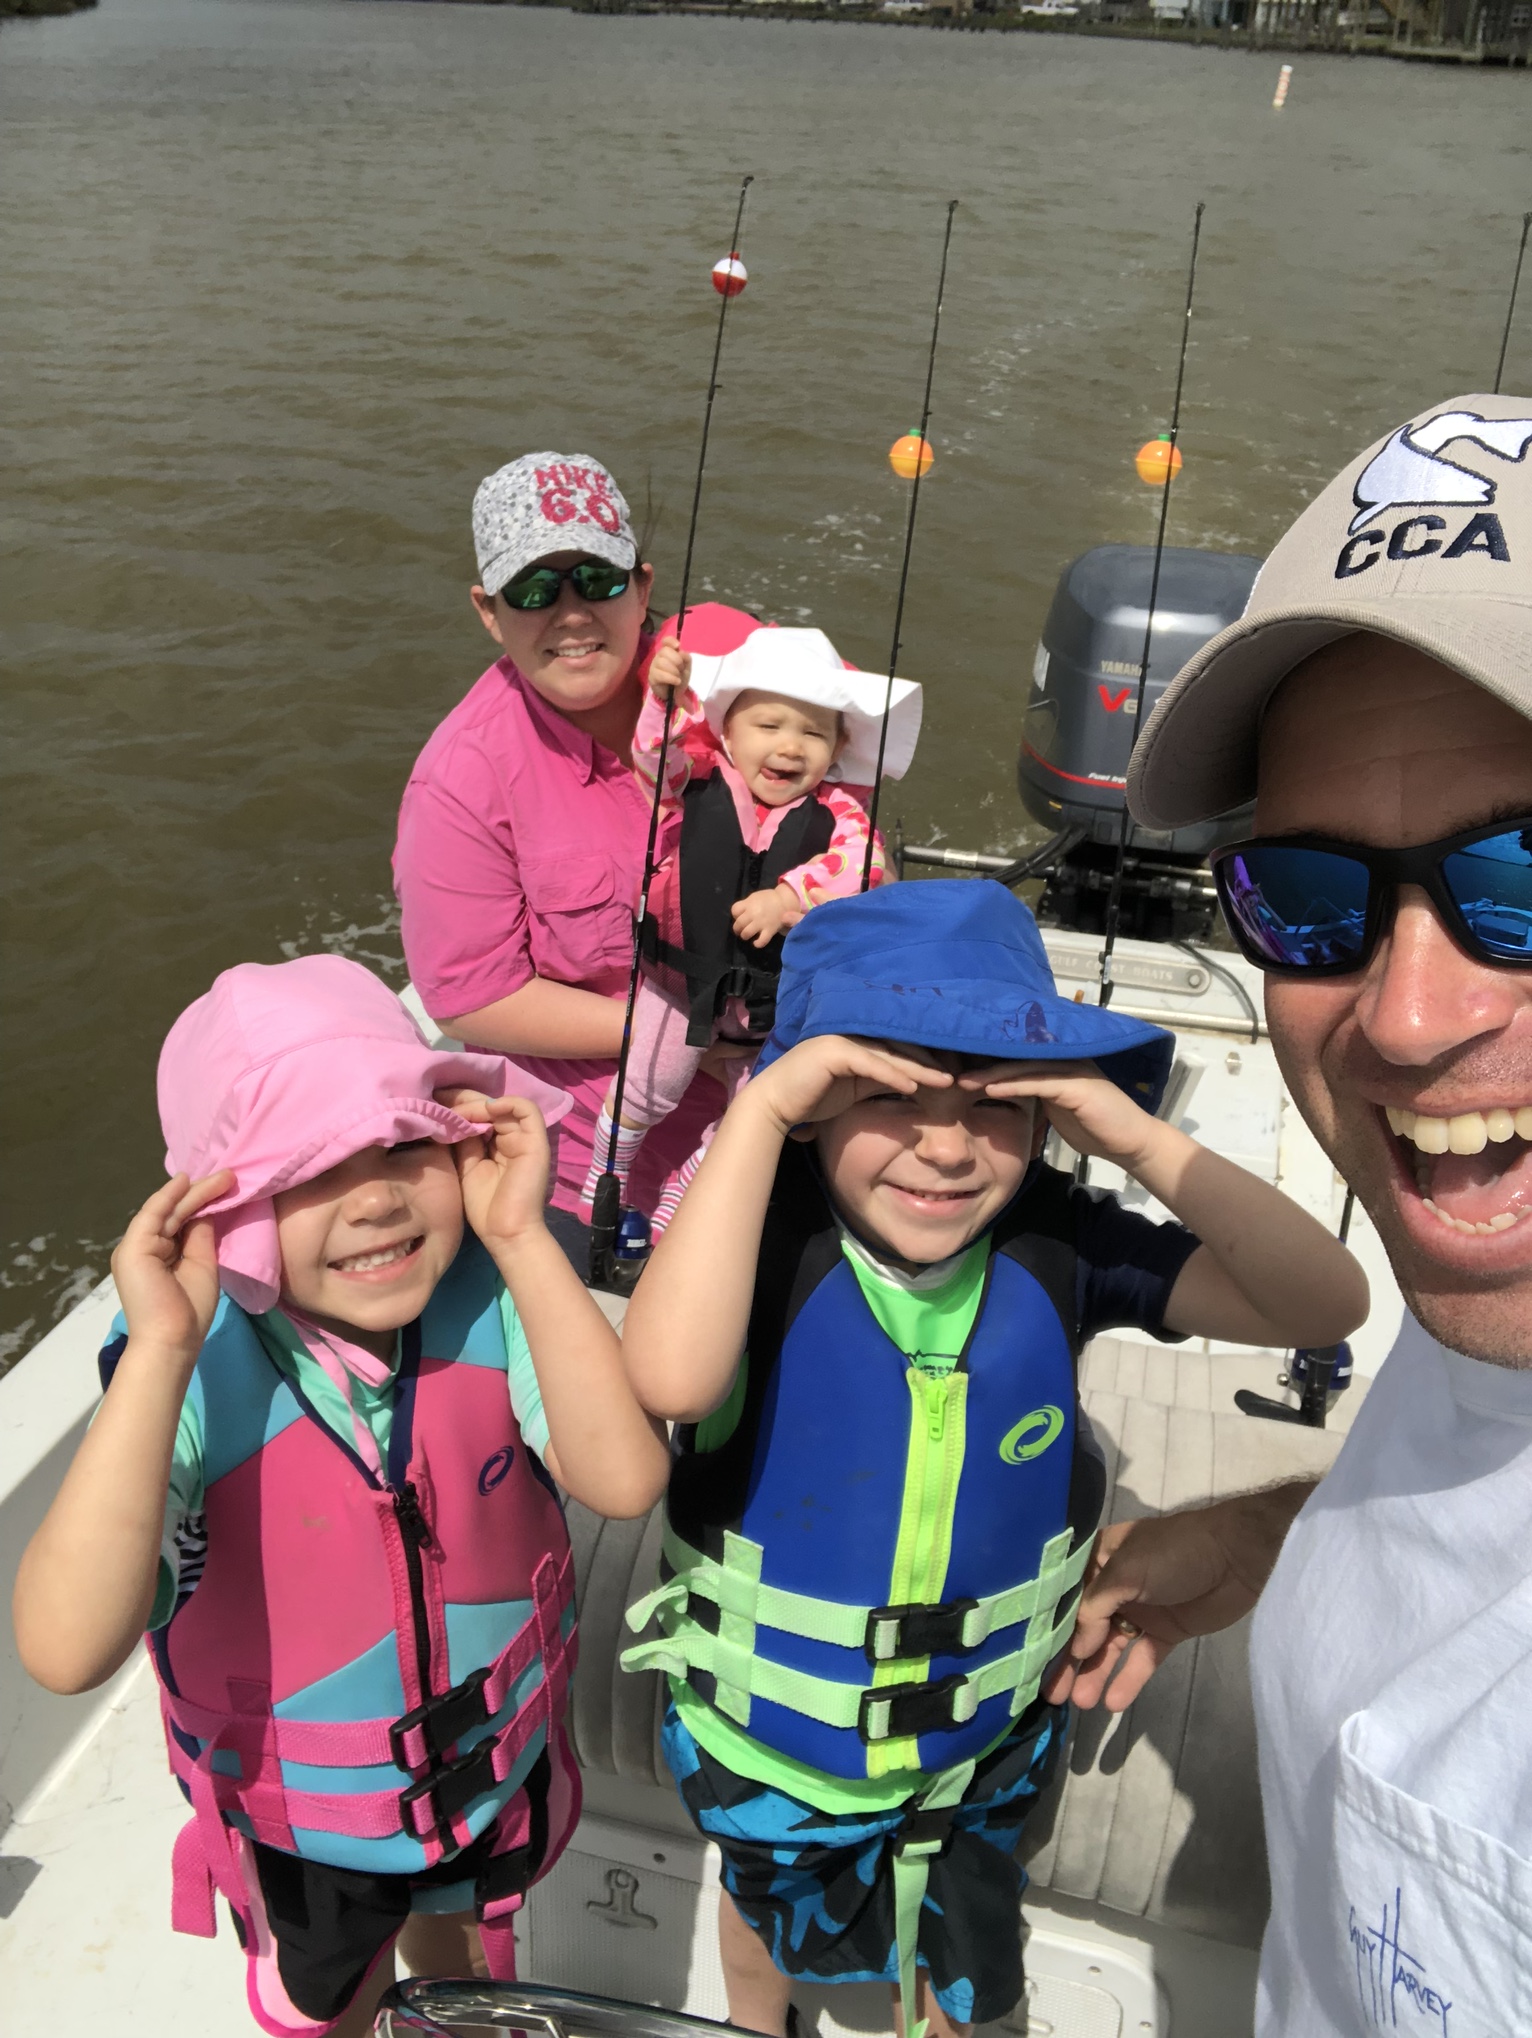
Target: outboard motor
(1079,729)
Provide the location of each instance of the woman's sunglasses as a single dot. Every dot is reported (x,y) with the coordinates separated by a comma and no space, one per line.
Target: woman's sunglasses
(592,579)
(1309,906)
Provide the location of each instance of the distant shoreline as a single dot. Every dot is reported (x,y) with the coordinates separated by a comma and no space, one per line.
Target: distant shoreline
(35,10)
(960,19)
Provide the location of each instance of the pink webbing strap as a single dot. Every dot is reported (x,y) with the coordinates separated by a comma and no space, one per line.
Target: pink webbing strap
(372,1815)
(191,1885)
(203,1860)
(550,1594)
(497,1916)
(362,1744)
(245,1730)
(497,1935)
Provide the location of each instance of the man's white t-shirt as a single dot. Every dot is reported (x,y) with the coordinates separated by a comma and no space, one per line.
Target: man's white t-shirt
(1392,1665)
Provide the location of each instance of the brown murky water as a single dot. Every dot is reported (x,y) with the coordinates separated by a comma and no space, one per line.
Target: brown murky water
(283,278)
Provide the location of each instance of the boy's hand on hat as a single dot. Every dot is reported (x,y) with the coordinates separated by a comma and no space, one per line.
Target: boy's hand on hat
(822,1077)
(504,1172)
(166,1266)
(1089,1112)
(671,667)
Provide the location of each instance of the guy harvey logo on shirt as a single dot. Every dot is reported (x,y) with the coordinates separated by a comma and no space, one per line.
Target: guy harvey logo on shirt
(1411,472)
(1395,1991)
(577,495)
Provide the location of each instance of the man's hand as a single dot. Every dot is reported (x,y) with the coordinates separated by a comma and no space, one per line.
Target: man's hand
(762,916)
(166,1267)
(1154,1584)
(822,1077)
(670,667)
(504,1172)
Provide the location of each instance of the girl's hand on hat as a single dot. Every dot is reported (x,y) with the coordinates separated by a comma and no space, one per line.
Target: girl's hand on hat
(1089,1112)
(671,667)
(504,1172)
(166,1267)
(822,1077)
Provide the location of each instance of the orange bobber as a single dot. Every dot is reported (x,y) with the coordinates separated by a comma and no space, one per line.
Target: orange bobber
(1157,461)
(911,456)
(729,277)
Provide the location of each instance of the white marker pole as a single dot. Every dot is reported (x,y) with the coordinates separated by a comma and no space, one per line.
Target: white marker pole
(1279,97)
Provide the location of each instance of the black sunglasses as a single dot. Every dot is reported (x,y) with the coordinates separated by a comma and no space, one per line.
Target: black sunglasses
(592,579)
(1310,906)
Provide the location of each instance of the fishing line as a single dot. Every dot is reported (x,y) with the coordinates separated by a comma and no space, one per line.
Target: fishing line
(1510,310)
(606,1210)
(921,464)
(1114,897)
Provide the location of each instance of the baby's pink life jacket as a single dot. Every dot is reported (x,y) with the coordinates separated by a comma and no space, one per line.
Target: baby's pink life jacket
(366,1671)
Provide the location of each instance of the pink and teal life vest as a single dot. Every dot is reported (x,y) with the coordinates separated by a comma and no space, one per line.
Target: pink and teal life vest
(367,1669)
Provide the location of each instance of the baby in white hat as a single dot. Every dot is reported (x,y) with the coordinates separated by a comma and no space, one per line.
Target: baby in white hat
(772,748)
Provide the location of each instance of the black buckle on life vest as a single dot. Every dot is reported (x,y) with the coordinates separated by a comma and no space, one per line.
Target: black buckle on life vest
(904,1633)
(449,1789)
(912,1708)
(444,1720)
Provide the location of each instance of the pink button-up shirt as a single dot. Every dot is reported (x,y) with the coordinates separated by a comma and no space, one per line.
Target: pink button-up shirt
(520,850)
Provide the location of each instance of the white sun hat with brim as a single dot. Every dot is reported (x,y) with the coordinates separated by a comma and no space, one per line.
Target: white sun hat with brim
(1426,537)
(803,665)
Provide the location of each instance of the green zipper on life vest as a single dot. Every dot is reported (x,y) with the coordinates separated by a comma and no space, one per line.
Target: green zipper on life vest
(933,1467)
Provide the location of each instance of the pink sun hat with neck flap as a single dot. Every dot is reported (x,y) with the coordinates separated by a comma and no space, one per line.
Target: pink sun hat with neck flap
(283,1070)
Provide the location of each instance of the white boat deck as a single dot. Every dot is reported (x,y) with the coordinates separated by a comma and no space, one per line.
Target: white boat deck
(88,1811)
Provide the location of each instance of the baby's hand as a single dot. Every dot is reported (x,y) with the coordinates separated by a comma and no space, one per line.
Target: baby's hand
(504,1172)
(762,916)
(822,1077)
(166,1267)
(1090,1113)
(671,667)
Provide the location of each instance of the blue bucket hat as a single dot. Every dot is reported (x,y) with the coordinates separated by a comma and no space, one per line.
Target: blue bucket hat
(955,964)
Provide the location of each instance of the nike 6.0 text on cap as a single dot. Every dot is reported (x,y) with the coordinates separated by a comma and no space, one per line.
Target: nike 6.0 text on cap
(1427,537)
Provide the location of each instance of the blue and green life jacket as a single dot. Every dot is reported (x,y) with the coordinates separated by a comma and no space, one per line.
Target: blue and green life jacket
(869,1564)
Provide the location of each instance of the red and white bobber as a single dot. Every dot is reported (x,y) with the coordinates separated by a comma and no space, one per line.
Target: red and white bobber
(729,277)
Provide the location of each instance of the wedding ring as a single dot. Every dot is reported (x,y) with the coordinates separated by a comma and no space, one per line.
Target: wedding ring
(1125,1627)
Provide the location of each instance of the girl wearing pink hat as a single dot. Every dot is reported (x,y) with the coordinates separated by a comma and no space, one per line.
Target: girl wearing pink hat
(327,1492)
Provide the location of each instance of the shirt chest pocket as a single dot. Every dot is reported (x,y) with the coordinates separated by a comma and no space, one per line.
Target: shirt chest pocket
(1433,1923)
(580,924)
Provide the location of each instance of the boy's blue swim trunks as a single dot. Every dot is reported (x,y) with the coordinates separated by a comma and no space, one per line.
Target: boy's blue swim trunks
(817,1887)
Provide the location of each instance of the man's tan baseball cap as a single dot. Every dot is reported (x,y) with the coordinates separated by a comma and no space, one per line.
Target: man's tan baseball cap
(1425,537)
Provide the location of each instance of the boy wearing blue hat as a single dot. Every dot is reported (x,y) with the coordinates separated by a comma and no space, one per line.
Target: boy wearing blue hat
(866,1317)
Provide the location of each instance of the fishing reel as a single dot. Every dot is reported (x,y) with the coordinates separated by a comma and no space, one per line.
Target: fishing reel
(1318,1374)
(619,1241)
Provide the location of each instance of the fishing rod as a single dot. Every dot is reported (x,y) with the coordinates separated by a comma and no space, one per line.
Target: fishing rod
(606,1205)
(922,462)
(1510,310)
(1114,896)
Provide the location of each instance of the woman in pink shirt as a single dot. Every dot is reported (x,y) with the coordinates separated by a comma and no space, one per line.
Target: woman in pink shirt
(521,832)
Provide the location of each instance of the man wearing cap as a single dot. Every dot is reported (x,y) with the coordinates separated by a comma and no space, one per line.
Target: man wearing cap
(1376,698)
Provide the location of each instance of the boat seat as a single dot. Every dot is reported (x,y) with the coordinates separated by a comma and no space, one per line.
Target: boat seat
(1154,1813)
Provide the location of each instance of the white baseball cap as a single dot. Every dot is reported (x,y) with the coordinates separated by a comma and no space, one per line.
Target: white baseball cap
(548,502)
(1426,537)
